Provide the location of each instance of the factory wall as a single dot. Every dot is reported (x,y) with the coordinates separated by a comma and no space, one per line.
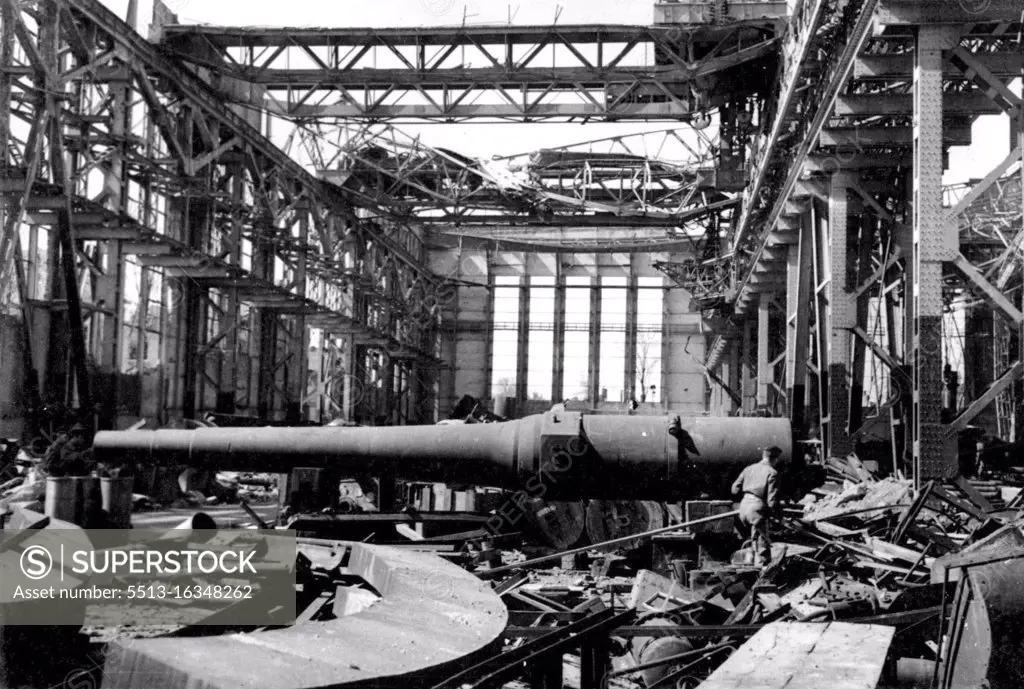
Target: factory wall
(465,344)
(470,328)
(683,353)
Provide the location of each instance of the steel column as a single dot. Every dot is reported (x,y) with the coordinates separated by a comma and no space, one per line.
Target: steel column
(228,390)
(819,236)
(865,249)
(798,320)
(841,318)
(747,373)
(300,361)
(764,370)
(935,241)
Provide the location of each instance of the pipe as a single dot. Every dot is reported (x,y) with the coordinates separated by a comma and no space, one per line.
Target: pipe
(556,456)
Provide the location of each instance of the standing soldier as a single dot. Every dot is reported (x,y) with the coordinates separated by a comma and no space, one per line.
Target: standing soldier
(758,484)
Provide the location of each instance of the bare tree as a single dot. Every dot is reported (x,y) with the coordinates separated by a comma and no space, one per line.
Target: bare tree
(505,386)
(580,392)
(646,361)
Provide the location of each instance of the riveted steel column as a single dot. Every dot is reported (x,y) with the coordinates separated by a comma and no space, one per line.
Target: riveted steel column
(228,384)
(746,372)
(764,370)
(798,321)
(841,318)
(298,365)
(934,242)
(901,347)
(865,249)
(109,288)
(819,236)
(1017,133)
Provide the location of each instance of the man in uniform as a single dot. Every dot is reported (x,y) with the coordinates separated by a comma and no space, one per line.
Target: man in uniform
(758,486)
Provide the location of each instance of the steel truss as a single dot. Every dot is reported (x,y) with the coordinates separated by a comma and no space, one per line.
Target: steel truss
(433,185)
(137,176)
(299,74)
(847,215)
(518,73)
(643,200)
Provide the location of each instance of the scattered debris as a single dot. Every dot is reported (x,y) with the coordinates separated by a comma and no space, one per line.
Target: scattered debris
(863,560)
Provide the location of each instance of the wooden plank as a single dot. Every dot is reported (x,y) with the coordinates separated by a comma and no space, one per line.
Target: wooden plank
(974,494)
(795,655)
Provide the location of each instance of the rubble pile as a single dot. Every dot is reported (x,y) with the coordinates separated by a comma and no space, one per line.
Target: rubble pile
(861,550)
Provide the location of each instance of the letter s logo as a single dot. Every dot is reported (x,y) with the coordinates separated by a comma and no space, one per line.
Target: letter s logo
(36,562)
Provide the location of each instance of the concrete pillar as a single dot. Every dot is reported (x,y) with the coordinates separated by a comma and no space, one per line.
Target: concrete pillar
(594,367)
(523,352)
(558,348)
(683,346)
(629,362)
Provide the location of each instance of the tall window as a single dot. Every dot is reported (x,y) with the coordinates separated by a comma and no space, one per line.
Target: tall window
(542,338)
(613,339)
(649,318)
(576,359)
(505,335)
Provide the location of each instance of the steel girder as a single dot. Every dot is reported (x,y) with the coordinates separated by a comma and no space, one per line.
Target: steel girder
(867,140)
(606,72)
(386,169)
(963,241)
(671,181)
(151,169)
(808,86)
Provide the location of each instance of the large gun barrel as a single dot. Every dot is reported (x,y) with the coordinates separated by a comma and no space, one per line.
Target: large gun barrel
(559,455)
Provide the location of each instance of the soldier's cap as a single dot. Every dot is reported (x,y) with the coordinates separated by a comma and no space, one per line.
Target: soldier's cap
(773,451)
(78,428)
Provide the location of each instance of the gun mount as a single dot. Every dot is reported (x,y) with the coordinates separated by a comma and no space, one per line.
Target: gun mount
(557,455)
